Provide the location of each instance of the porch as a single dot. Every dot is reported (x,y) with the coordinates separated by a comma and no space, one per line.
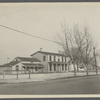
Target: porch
(33,68)
(58,67)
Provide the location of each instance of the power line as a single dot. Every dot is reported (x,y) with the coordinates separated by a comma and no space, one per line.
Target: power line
(27,33)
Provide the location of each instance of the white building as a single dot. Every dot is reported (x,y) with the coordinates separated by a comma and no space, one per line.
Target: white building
(53,62)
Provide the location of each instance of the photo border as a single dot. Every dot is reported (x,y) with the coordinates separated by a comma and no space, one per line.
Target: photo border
(49,97)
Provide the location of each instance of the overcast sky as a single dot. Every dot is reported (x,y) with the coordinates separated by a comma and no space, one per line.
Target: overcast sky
(42,20)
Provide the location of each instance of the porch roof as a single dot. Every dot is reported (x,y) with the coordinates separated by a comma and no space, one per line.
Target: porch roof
(33,65)
(54,62)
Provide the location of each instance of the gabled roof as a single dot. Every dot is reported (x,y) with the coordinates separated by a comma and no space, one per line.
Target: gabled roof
(49,53)
(9,64)
(29,59)
(12,63)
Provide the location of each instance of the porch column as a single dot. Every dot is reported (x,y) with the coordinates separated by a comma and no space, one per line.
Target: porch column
(62,67)
(58,67)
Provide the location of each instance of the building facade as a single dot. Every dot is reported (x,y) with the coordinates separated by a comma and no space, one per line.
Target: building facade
(53,62)
(22,65)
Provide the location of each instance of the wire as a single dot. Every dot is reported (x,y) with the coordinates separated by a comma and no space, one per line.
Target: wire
(27,33)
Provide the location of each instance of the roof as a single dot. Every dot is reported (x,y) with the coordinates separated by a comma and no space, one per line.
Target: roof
(49,53)
(12,63)
(33,65)
(29,59)
(9,64)
(53,62)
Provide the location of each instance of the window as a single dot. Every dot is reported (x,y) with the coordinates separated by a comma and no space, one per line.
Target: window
(50,57)
(44,58)
(17,67)
(54,58)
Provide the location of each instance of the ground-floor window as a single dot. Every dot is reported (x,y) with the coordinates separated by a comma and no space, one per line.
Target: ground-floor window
(17,67)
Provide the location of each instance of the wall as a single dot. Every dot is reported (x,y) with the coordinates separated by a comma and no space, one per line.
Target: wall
(2,69)
(5,69)
(40,57)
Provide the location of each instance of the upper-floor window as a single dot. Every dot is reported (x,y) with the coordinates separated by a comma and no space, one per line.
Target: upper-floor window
(54,58)
(50,57)
(44,58)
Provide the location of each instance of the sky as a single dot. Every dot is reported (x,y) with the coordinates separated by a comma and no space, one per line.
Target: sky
(43,20)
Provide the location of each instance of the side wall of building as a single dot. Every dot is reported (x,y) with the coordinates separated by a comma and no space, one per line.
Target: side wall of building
(40,57)
(20,68)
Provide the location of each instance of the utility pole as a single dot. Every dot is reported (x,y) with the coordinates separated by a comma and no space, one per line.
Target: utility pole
(95,60)
(87,67)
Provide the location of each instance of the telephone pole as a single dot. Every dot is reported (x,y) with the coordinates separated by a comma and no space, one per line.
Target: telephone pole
(95,61)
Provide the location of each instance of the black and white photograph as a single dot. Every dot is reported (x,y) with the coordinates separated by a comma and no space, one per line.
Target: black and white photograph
(50,49)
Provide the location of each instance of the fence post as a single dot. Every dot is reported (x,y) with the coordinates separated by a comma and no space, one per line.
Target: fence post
(29,73)
(17,68)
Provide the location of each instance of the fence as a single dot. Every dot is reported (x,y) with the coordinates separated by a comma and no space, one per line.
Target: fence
(19,74)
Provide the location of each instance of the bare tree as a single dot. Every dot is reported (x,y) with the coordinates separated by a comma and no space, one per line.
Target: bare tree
(87,56)
(77,44)
(68,43)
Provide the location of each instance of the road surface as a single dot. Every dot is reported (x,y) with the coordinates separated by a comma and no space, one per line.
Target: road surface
(76,85)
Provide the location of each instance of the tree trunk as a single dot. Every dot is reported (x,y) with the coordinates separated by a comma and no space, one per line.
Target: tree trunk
(87,70)
(74,69)
(77,67)
(96,70)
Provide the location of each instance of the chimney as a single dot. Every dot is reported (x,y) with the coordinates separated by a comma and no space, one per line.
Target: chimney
(40,49)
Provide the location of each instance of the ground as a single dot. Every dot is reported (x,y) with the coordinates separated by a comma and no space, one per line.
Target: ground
(74,85)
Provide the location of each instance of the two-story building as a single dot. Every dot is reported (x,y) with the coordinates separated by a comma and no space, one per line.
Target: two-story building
(53,62)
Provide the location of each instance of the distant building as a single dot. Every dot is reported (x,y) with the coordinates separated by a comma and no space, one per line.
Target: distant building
(53,62)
